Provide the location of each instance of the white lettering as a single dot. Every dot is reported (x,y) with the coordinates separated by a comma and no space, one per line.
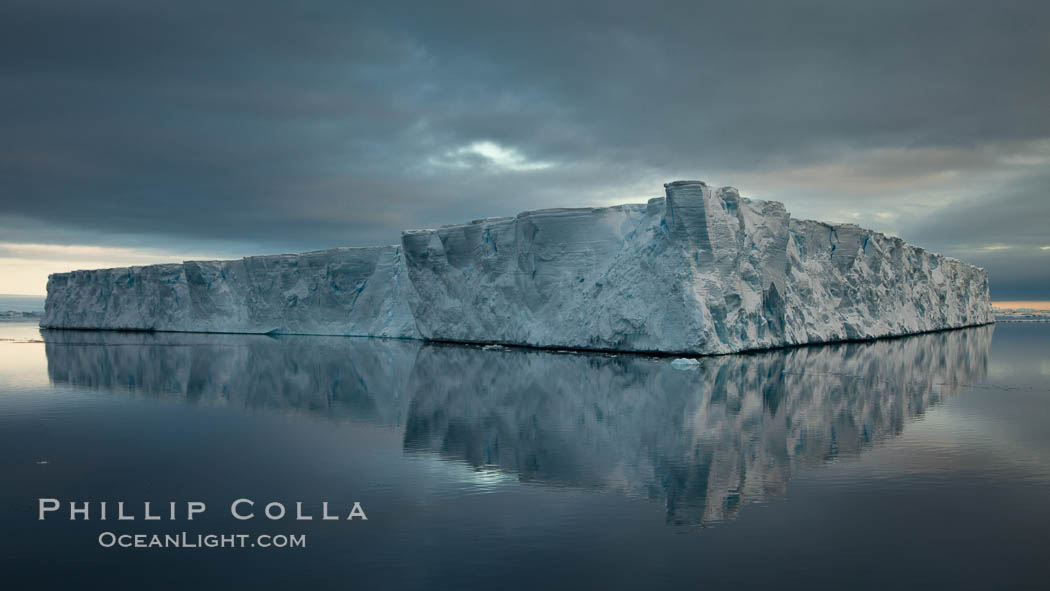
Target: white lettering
(46,506)
(357,511)
(73,511)
(233,509)
(324,512)
(278,516)
(193,508)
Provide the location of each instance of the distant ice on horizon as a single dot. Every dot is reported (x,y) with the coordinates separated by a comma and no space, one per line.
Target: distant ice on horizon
(21,303)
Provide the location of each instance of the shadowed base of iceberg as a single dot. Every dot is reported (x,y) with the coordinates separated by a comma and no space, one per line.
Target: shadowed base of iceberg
(692,354)
(486,344)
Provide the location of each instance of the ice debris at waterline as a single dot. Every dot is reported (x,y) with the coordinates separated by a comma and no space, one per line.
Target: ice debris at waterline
(685,364)
(699,271)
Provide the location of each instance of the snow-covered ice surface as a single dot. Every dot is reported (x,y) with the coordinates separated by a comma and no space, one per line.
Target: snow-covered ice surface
(700,271)
(342,291)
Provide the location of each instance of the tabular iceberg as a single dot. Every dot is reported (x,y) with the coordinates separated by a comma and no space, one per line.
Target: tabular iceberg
(699,271)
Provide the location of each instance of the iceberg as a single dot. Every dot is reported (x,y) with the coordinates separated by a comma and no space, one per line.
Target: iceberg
(699,271)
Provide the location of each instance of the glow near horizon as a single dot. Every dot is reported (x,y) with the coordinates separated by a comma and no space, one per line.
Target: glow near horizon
(24,267)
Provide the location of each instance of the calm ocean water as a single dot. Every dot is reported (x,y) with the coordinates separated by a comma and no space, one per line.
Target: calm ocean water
(921,462)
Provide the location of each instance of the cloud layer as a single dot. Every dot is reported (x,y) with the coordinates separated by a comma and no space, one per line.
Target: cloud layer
(242,127)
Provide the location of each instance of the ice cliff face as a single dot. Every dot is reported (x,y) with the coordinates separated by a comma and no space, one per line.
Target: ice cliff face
(700,271)
(343,291)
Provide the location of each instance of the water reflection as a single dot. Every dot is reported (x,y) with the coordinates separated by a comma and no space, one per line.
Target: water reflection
(360,379)
(704,442)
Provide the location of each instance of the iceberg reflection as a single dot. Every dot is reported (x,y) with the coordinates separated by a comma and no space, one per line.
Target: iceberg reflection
(706,441)
(355,378)
(703,441)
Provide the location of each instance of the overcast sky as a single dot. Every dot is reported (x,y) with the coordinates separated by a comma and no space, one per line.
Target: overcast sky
(135,133)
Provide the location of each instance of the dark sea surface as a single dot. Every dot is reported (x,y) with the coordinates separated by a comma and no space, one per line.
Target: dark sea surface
(912,463)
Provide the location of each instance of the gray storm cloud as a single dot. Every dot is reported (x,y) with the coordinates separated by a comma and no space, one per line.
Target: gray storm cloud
(260,124)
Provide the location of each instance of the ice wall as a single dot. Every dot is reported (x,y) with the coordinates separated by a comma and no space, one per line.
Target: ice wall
(342,291)
(700,271)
